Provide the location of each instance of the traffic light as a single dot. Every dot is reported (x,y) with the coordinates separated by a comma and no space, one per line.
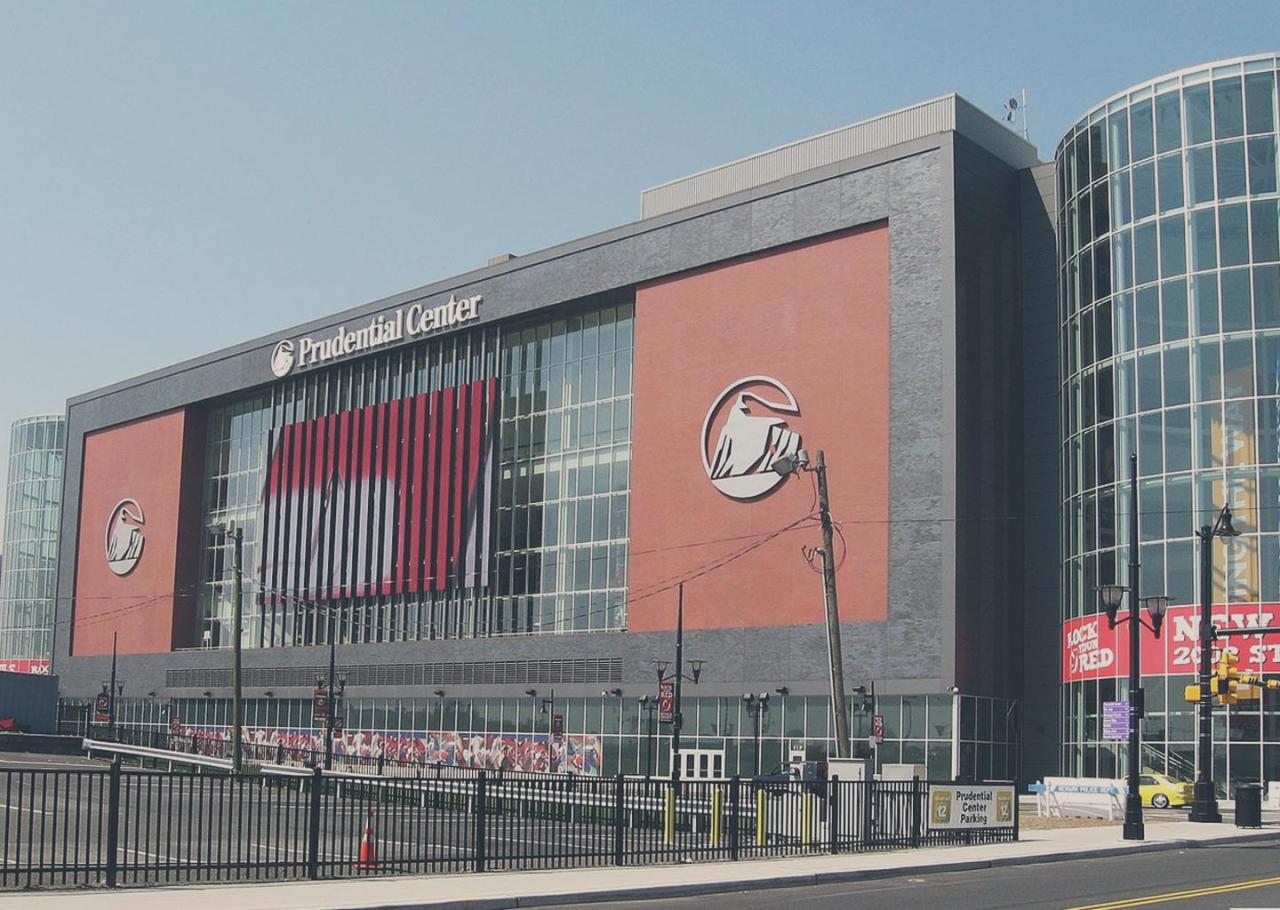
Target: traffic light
(1226,679)
(1229,685)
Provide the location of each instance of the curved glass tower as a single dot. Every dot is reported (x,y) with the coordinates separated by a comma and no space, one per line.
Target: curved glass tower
(1169,257)
(33,502)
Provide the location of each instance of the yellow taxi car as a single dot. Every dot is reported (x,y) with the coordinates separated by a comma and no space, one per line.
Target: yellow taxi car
(1160,791)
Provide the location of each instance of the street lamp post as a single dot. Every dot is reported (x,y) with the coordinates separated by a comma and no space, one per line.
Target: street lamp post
(1204,804)
(547,706)
(1111,596)
(678,676)
(331,709)
(756,706)
(111,688)
(231,530)
(616,693)
(869,704)
(648,706)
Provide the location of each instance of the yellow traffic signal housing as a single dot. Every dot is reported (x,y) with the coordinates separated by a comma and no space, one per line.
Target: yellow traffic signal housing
(1230,685)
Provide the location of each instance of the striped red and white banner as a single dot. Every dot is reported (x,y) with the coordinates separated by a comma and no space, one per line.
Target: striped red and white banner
(392,498)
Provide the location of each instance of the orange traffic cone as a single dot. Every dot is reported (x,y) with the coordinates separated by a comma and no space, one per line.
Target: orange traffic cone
(368,847)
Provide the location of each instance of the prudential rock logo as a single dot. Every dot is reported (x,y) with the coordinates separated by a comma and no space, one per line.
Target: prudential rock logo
(748,421)
(124,540)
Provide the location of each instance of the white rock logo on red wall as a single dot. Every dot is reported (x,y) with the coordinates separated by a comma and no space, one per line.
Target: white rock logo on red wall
(751,435)
(124,536)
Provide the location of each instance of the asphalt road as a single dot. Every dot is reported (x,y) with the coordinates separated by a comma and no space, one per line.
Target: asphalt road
(1239,876)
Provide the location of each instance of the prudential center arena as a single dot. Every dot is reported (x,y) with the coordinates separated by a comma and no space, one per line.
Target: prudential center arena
(490,491)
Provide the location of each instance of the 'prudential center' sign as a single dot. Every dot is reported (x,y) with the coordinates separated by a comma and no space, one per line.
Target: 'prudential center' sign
(410,321)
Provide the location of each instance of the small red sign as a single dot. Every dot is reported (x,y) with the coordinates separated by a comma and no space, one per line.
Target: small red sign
(666,701)
(557,727)
(320,706)
(102,708)
(877,728)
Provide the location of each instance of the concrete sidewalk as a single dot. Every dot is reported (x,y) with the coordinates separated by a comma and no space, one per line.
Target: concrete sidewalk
(493,891)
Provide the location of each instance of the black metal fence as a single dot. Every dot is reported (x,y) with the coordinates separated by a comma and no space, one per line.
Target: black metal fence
(122,826)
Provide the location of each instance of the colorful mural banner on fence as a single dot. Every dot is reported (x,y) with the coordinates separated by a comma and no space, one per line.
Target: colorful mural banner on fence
(1091,650)
(578,754)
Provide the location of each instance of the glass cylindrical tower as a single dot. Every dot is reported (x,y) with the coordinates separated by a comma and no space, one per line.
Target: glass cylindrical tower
(1169,257)
(28,575)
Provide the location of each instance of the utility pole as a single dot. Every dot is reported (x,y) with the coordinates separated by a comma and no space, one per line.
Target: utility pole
(835,654)
(237,596)
(789,464)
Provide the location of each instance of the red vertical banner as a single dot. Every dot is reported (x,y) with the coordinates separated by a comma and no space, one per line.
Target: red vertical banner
(391,502)
(294,495)
(418,477)
(446,504)
(431,517)
(666,701)
(364,517)
(319,508)
(404,495)
(461,415)
(378,502)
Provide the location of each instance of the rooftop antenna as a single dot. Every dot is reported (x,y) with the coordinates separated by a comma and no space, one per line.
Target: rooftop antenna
(1017,105)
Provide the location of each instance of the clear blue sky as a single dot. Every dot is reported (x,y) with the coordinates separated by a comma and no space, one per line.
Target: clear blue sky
(176,177)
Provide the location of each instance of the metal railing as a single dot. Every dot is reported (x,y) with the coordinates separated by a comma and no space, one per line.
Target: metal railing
(121,826)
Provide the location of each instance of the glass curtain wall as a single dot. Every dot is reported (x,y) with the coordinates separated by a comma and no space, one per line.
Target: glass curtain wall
(621,735)
(1169,241)
(536,542)
(33,503)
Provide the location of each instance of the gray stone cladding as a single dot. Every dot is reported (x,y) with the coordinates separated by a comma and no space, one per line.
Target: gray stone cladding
(910,187)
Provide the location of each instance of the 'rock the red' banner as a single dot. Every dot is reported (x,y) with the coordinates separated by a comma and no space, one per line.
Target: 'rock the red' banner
(1090,650)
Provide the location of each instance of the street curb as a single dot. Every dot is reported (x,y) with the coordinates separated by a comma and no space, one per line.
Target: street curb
(809,879)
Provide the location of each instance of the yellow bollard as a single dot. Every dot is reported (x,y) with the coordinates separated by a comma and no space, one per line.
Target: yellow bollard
(717,823)
(806,820)
(760,818)
(669,818)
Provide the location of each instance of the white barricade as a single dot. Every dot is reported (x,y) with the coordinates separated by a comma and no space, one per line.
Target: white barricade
(1087,797)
